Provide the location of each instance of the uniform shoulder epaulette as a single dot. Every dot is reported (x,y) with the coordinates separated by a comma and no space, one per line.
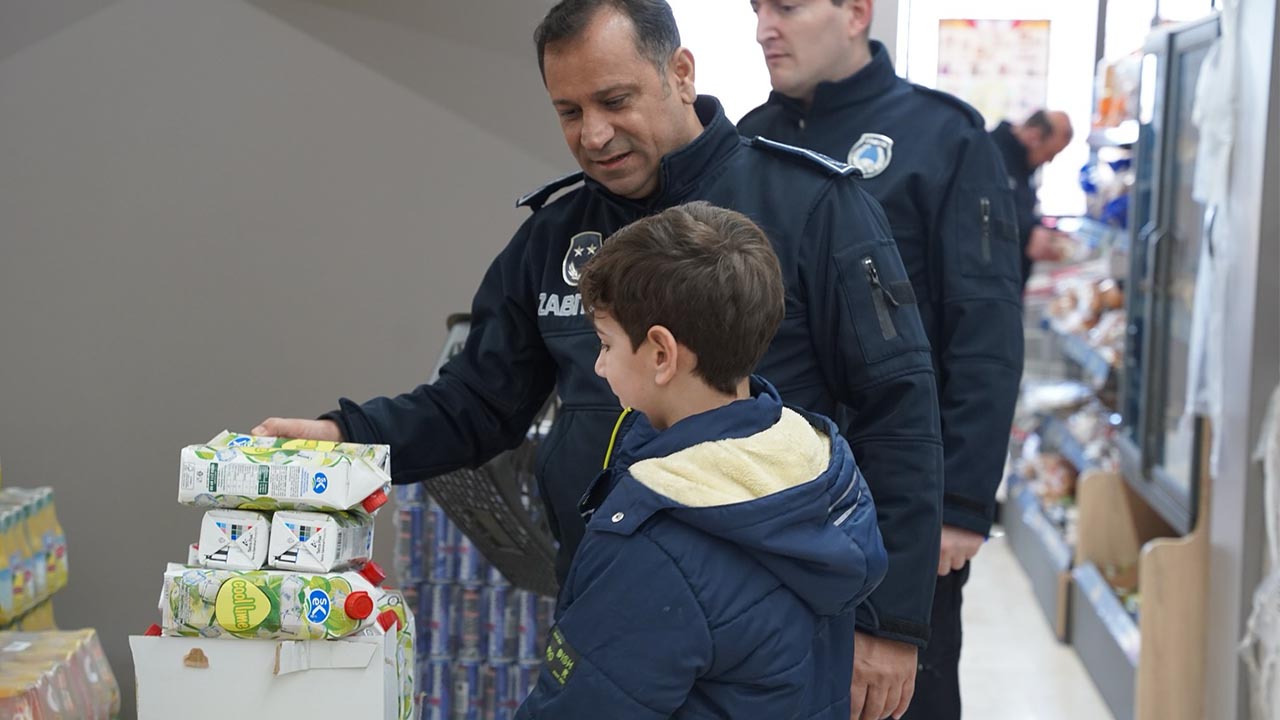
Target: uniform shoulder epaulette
(969,112)
(536,199)
(830,165)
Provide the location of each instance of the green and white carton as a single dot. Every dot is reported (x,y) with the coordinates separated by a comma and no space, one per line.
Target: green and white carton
(249,472)
(268,604)
(394,616)
(320,542)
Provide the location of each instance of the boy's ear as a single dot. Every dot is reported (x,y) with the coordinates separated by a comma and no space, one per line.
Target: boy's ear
(666,354)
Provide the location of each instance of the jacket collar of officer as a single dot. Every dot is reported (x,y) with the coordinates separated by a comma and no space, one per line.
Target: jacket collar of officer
(872,81)
(1015,153)
(681,172)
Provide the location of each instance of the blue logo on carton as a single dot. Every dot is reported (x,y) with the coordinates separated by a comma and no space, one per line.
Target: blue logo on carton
(317,606)
(319,483)
(241,441)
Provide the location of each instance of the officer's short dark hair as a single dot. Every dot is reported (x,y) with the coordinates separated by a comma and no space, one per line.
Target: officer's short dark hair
(707,274)
(657,36)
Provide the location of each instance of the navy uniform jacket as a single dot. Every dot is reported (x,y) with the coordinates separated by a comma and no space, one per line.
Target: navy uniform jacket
(841,342)
(947,198)
(1024,193)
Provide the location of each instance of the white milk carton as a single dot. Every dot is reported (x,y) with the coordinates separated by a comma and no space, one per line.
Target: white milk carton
(320,542)
(234,540)
(267,473)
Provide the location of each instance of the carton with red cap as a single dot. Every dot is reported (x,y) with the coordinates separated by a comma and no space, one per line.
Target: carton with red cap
(267,604)
(250,472)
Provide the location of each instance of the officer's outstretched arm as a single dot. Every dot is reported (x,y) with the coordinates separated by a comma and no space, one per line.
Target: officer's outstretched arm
(486,396)
(876,360)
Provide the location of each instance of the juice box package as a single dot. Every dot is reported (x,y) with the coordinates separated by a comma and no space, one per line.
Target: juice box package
(268,604)
(234,540)
(394,616)
(267,473)
(320,542)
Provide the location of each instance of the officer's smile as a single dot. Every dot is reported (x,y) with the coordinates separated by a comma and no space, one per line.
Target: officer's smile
(613,161)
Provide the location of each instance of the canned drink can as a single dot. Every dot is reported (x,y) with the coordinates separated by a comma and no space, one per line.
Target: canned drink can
(502,679)
(413,493)
(471,622)
(467,691)
(526,679)
(546,619)
(527,645)
(471,564)
(411,541)
(437,687)
(441,614)
(495,578)
(444,547)
(499,629)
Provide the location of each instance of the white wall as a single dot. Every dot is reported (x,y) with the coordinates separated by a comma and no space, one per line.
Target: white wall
(216,210)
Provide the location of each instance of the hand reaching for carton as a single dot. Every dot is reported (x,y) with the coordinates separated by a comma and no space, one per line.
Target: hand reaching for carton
(299,428)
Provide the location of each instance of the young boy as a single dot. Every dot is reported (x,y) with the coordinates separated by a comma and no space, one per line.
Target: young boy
(730,537)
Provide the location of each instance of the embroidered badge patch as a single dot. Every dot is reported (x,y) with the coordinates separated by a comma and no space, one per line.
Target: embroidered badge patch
(561,659)
(582,247)
(871,154)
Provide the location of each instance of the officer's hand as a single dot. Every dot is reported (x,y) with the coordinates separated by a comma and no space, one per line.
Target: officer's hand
(884,678)
(1045,244)
(299,428)
(958,547)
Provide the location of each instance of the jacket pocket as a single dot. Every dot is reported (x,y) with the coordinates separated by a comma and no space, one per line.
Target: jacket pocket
(985,239)
(880,300)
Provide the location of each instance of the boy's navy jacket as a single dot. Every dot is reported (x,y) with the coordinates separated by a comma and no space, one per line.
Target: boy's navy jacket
(842,343)
(718,576)
(944,189)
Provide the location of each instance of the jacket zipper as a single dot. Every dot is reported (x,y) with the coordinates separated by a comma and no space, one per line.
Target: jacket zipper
(985,204)
(881,298)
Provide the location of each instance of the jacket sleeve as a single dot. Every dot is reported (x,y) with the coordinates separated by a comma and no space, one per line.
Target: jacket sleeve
(980,330)
(631,641)
(875,357)
(486,396)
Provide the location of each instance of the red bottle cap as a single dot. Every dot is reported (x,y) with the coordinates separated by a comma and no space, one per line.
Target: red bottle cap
(358,605)
(374,501)
(373,572)
(153,631)
(388,619)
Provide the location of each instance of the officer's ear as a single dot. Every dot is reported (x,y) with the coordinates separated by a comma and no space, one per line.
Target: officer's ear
(680,74)
(859,15)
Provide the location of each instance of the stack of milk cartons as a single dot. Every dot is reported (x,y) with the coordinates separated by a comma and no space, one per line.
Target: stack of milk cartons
(285,550)
(481,639)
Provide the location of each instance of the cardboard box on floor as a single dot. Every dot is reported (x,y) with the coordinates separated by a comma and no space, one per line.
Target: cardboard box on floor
(201,679)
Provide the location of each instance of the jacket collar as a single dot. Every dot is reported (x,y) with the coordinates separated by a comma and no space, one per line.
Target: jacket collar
(682,171)
(872,81)
(1014,152)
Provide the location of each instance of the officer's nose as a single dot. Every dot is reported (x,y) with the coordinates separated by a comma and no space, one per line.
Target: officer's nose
(597,131)
(766,29)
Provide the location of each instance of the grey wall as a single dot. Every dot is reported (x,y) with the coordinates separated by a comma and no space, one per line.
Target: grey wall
(216,210)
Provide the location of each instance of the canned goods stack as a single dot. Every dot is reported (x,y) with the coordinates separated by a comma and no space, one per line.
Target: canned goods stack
(480,639)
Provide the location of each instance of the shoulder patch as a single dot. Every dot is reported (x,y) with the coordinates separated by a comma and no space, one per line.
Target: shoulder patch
(536,199)
(831,165)
(969,112)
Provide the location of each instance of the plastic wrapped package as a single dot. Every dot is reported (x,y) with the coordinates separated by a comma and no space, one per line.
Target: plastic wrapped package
(56,676)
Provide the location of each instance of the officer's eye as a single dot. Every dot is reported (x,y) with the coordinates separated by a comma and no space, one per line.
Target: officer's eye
(614,103)
(567,113)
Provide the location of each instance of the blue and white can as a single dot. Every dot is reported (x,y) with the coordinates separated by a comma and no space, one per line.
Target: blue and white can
(437,688)
(500,624)
(527,645)
(440,625)
(468,698)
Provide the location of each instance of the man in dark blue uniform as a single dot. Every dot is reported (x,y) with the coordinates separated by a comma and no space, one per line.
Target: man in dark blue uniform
(926,158)
(1025,148)
(851,336)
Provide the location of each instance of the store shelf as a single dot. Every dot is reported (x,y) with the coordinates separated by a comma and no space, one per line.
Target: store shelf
(1106,638)
(1056,434)
(1043,553)
(1095,367)
(1123,135)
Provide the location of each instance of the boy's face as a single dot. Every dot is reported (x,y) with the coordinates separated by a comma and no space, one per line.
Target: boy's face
(627,371)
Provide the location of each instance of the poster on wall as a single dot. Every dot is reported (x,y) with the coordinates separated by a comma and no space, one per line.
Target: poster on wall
(1001,67)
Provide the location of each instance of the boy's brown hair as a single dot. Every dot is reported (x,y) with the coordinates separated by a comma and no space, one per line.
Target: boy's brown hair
(707,274)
